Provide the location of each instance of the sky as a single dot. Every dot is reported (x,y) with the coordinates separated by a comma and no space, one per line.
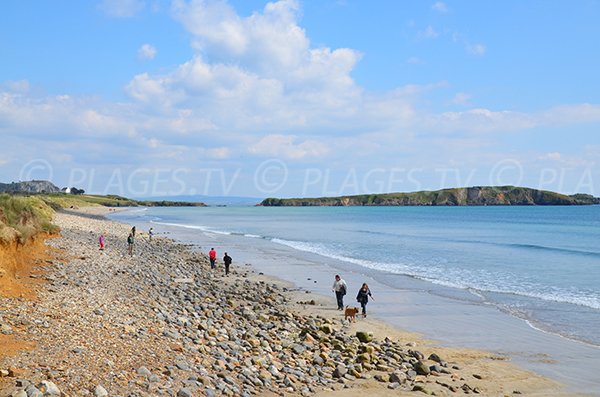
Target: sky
(298,98)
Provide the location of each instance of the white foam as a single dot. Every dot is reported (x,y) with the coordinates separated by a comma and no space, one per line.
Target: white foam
(475,281)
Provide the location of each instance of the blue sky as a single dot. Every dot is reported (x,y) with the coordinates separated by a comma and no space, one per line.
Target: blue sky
(294,98)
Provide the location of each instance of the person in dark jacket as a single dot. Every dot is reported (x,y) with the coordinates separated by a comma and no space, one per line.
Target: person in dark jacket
(363,297)
(227,261)
(130,241)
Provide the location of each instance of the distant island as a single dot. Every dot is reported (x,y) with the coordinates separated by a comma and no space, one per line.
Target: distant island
(464,196)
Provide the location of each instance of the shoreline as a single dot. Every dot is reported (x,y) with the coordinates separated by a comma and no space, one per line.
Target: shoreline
(125,325)
(454,318)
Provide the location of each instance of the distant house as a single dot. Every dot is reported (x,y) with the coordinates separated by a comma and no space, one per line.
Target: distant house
(66,190)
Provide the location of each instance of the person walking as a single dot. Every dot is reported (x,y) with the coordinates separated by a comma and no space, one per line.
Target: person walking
(150,234)
(130,244)
(339,287)
(101,242)
(363,298)
(212,255)
(227,261)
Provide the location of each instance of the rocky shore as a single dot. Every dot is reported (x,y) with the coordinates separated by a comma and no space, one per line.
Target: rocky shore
(162,323)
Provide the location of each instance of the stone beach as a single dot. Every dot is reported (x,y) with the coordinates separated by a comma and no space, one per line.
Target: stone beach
(162,323)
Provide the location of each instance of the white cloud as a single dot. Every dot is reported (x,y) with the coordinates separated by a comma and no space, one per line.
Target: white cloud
(284,146)
(257,71)
(554,156)
(414,61)
(476,49)
(461,98)
(440,7)
(121,8)
(17,86)
(269,44)
(481,120)
(567,114)
(428,33)
(147,52)
(218,153)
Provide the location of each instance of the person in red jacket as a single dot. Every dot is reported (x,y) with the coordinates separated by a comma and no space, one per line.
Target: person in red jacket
(212,255)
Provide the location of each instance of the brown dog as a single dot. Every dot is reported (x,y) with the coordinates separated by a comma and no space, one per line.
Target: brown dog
(350,312)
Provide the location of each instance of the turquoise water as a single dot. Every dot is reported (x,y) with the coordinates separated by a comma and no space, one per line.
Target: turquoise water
(541,264)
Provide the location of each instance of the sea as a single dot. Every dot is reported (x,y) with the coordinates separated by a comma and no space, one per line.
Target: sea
(537,264)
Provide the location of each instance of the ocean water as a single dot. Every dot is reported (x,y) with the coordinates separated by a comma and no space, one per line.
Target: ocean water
(540,264)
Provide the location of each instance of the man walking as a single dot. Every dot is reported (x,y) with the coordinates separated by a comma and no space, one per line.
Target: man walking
(227,261)
(339,287)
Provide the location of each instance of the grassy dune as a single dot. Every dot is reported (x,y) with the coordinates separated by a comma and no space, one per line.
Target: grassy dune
(24,216)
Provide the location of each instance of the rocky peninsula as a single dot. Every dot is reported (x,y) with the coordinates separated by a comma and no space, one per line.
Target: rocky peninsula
(474,196)
(162,323)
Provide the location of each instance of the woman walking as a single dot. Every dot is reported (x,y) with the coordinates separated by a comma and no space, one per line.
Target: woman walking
(363,298)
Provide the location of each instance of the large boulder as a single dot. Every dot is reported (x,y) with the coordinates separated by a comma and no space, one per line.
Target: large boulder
(364,337)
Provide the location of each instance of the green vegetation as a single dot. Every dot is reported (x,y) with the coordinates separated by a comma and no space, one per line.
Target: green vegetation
(478,195)
(24,216)
(63,200)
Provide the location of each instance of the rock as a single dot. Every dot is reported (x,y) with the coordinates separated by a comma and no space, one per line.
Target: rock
(99,312)
(19,393)
(6,329)
(422,389)
(364,358)
(298,348)
(184,392)
(421,368)
(48,388)
(182,365)
(210,392)
(364,337)
(434,357)
(398,377)
(33,391)
(416,354)
(144,371)
(340,371)
(327,329)
(385,378)
(100,391)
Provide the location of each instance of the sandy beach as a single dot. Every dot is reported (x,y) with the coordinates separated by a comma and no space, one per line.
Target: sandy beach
(104,323)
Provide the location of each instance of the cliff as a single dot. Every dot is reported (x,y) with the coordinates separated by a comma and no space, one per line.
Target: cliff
(24,223)
(467,196)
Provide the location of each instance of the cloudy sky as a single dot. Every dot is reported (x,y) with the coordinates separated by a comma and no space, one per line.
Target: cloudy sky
(300,98)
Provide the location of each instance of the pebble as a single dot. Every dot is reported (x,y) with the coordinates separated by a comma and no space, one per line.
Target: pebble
(100,391)
(208,335)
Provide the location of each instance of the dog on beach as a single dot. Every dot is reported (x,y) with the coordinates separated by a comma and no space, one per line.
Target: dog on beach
(350,312)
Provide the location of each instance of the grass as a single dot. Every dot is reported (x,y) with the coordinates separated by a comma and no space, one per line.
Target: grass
(24,216)
(61,200)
